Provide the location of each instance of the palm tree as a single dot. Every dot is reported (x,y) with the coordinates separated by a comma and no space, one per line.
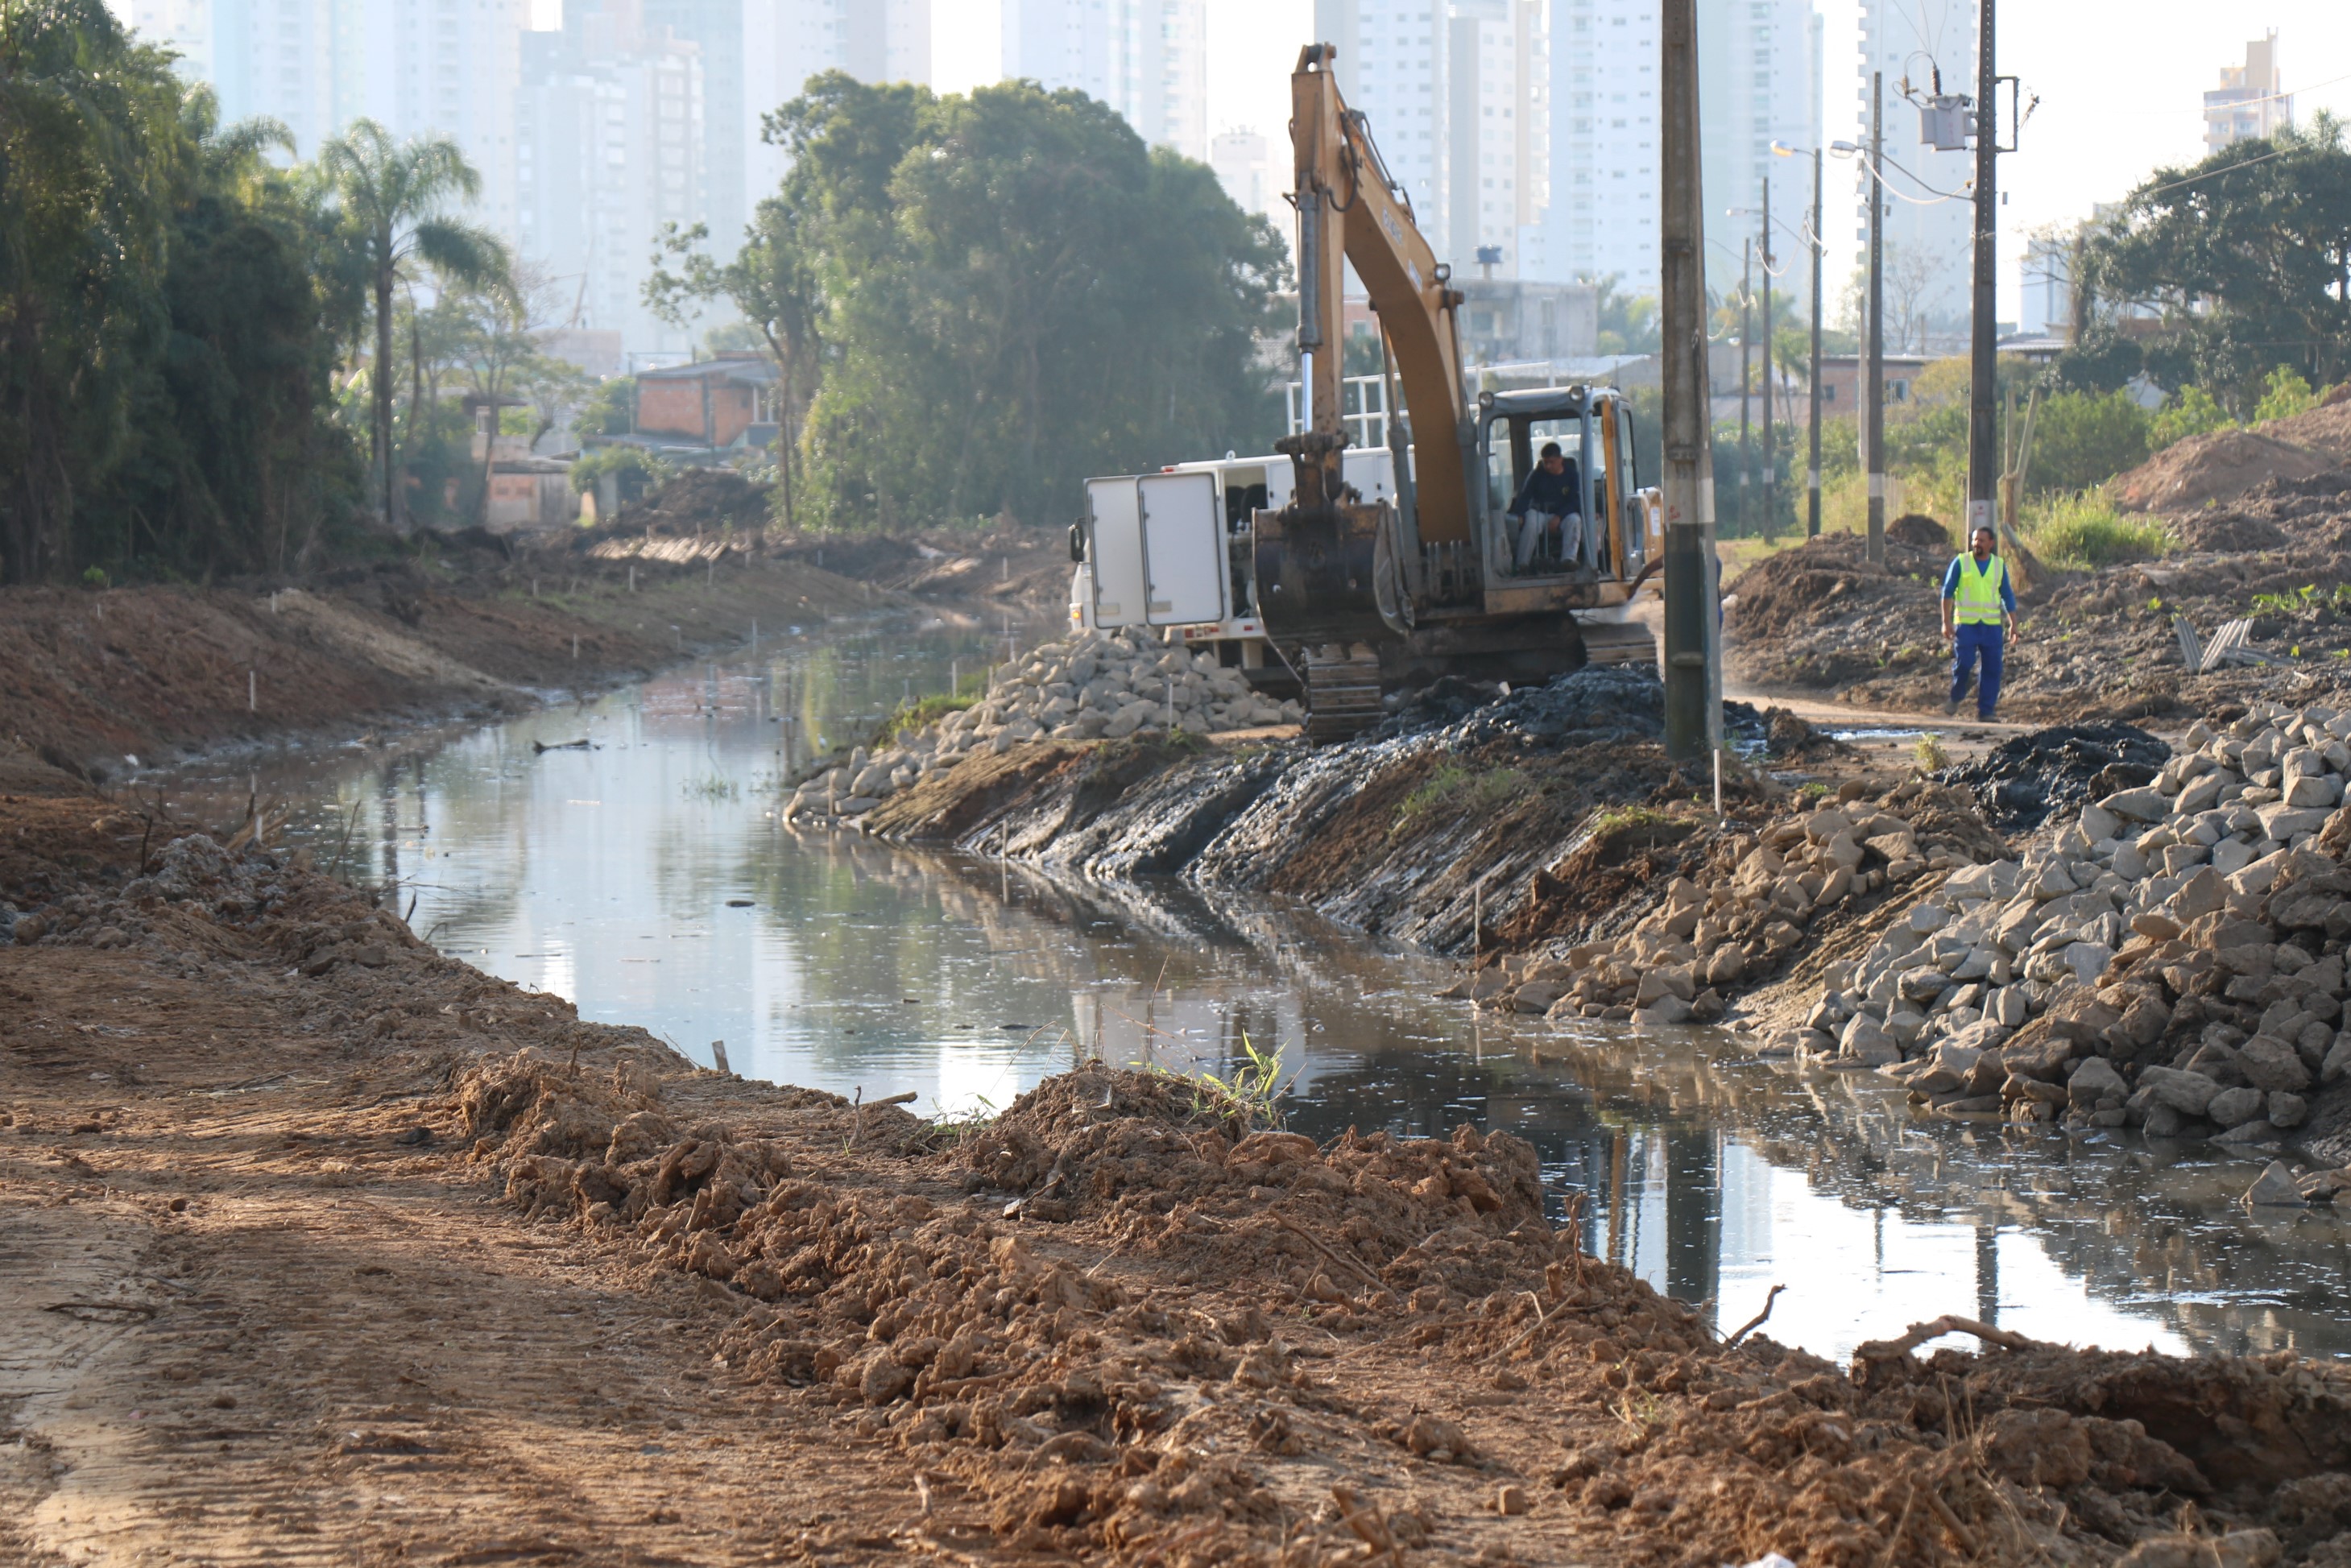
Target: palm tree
(392,194)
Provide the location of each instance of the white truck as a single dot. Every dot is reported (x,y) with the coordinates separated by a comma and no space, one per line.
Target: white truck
(1172,550)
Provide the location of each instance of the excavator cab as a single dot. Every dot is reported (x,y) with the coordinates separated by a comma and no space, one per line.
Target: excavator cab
(1606,538)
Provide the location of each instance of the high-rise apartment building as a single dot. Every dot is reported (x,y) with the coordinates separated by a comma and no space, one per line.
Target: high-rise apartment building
(1759,83)
(2251,100)
(1498,135)
(1393,66)
(612,120)
(443,68)
(1243,163)
(276,60)
(1148,60)
(183,27)
(1929,235)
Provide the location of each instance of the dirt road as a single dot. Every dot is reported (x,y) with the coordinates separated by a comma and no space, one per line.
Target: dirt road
(319,1248)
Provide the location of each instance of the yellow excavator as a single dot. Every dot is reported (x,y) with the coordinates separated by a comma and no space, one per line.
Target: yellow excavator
(1370,597)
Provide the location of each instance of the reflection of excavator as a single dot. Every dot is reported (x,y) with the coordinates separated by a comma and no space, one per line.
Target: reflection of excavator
(1371,596)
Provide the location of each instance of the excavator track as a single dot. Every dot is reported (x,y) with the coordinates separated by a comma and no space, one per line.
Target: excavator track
(1342,698)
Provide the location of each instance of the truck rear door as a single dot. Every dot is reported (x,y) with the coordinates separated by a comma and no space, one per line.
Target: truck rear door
(1115,549)
(1183,549)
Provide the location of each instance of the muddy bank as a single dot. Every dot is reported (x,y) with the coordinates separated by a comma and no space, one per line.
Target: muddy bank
(353,1254)
(162,674)
(1409,833)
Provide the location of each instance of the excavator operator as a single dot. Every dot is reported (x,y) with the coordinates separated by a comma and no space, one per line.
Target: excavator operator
(1549,509)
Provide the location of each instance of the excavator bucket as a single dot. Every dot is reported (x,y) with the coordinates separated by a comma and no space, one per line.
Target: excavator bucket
(1317,573)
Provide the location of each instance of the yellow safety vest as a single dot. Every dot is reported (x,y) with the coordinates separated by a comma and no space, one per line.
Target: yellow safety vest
(1979,601)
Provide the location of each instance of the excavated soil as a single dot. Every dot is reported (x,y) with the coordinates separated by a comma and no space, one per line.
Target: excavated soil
(336,1250)
(2205,470)
(166,673)
(2094,647)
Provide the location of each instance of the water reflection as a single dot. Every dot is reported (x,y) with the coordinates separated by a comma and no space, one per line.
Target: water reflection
(646,877)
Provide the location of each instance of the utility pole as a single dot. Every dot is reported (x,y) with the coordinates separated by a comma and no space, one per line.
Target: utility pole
(1770,453)
(1983,435)
(1874,394)
(1746,380)
(1693,653)
(1812,470)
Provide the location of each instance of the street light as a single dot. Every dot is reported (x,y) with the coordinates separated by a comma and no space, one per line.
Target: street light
(1812,469)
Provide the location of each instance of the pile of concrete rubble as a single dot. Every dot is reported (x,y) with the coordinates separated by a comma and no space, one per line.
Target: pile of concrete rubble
(1675,964)
(2173,959)
(1094,685)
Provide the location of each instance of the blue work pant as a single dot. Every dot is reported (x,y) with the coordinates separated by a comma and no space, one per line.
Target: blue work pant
(1967,642)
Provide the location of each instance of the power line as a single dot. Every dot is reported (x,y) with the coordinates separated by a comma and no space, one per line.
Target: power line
(2215,173)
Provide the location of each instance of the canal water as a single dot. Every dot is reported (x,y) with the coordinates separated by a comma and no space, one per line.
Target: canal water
(647,877)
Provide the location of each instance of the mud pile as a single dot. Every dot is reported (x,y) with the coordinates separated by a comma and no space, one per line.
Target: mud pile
(2217,466)
(1745,915)
(1095,686)
(2173,959)
(1189,1342)
(1824,614)
(2022,780)
(694,501)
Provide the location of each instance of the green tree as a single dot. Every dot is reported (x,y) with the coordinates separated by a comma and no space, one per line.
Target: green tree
(2284,395)
(169,315)
(609,410)
(2083,439)
(976,301)
(392,195)
(2245,254)
(90,152)
(2193,411)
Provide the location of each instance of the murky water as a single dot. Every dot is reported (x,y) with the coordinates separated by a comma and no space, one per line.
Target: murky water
(647,879)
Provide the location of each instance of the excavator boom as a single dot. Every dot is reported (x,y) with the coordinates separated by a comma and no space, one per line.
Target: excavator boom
(1350,211)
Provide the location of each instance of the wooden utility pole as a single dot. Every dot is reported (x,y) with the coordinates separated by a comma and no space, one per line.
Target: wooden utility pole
(1693,653)
(1874,393)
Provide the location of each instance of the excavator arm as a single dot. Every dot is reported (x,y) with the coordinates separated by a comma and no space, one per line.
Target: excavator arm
(1349,211)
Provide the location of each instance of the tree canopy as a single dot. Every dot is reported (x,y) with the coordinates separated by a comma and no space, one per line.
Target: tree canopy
(2245,260)
(979,301)
(170,314)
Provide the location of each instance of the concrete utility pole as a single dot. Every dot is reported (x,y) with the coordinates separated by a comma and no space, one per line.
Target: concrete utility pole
(1770,453)
(1874,394)
(1746,385)
(1812,470)
(1983,432)
(1693,618)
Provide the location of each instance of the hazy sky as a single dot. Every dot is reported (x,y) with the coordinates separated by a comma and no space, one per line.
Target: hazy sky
(2120,85)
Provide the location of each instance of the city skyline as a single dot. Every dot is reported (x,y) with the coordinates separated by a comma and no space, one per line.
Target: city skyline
(469,72)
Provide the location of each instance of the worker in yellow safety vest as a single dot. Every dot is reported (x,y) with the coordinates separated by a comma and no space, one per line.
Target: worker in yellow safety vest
(1979,607)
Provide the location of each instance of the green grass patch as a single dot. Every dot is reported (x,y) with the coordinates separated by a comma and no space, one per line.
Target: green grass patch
(910,718)
(2084,531)
(1459,790)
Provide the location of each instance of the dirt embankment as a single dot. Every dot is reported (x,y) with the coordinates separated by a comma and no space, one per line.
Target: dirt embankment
(474,626)
(2096,646)
(340,1251)
(2217,467)
(1408,834)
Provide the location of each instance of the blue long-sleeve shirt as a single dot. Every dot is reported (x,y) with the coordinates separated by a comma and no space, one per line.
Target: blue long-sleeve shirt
(1558,494)
(1951,579)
